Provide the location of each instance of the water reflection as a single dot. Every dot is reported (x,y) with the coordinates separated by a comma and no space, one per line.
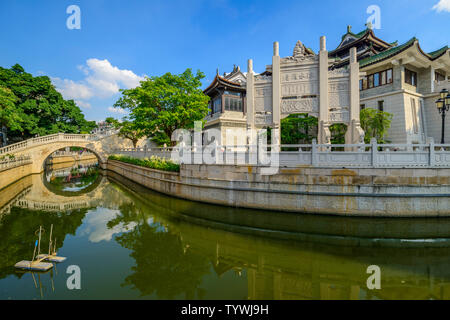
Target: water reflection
(134,243)
(80,177)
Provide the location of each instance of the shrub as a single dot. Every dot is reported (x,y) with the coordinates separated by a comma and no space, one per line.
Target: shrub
(152,163)
(7,157)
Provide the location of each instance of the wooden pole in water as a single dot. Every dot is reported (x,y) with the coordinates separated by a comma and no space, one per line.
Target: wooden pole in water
(50,241)
(34,252)
(39,243)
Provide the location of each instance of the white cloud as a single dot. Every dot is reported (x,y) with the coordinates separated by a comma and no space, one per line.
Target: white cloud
(96,225)
(102,80)
(73,90)
(443,5)
(83,104)
(117,110)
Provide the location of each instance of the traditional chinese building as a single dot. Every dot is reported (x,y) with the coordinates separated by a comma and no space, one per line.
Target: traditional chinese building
(364,71)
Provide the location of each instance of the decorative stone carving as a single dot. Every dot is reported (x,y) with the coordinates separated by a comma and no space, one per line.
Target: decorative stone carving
(307,75)
(339,99)
(301,53)
(338,73)
(307,105)
(339,86)
(263,78)
(302,88)
(339,116)
(263,119)
(263,92)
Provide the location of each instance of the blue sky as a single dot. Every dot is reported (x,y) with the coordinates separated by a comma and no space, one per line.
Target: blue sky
(122,41)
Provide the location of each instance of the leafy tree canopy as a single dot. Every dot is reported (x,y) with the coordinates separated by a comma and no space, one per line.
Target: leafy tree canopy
(33,106)
(127,129)
(8,117)
(160,105)
(298,129)
(375,124)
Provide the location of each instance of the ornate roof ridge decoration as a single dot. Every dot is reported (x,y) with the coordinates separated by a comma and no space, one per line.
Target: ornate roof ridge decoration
(301,53)
(221,81)
(432,56)
(366,34)
(338,72)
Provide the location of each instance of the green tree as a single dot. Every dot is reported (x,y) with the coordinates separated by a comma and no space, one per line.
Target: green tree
(375,124)
(163,264)
(127,129)
(298,129)
(8,117)
(160,105)
(40,108)
(338,131)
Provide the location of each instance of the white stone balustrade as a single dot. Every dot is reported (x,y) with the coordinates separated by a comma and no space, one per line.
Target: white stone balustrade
(14,162)
(372,155)
(58,137)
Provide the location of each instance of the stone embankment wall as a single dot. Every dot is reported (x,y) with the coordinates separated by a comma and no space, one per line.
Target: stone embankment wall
(347,192)
(12,174)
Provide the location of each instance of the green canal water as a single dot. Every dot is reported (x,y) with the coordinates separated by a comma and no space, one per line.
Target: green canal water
(133,243)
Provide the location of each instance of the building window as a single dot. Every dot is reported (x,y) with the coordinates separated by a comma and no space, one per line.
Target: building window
(380,105)
(370,81)
(362,107)
(231,93)
(376,79)
(233,104)
(217,105)
(439,77)
(411,77)
(414,116)
(389,76)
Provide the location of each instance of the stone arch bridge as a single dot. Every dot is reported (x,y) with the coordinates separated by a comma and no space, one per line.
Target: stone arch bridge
(40,148)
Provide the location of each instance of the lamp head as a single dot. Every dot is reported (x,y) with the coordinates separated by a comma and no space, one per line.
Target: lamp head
(447,100)
(440,103)
(444,93)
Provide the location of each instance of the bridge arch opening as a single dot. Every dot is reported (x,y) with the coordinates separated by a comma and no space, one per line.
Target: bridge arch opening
(74,152)
(71,171)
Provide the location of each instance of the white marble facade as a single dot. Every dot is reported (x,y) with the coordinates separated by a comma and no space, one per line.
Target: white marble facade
(301,83)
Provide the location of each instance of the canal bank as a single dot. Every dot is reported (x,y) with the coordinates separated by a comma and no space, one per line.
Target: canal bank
(378,192)
(13,170)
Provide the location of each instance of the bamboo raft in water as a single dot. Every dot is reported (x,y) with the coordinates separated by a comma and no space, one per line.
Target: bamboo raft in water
(37,262)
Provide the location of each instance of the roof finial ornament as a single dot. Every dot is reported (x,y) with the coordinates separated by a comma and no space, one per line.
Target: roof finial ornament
(369,25)
(217,71)
(299,49)
(349,29)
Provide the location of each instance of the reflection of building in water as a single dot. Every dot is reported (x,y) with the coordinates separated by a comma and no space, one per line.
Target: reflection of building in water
(278,269)
(282,270)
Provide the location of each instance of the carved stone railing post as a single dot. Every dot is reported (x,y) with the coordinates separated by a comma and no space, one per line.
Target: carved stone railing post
(374,144)
(314,159)
(432,153)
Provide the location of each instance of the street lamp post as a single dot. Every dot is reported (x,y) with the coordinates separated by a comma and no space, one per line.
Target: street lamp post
(443,105)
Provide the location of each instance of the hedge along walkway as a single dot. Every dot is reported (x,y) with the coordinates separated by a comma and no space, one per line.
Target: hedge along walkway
(152,163)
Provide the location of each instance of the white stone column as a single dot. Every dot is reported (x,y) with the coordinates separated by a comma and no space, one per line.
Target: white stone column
(432,71)
(250,96)
(324,135)
(354,134)
(276,93)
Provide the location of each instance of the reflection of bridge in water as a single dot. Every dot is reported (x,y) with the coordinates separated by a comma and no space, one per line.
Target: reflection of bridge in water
(62,170)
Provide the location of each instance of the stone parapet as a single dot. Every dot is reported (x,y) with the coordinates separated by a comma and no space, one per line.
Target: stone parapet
(346,192)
